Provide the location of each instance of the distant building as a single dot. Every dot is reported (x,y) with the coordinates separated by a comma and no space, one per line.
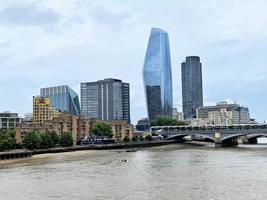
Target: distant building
(177,115)
(200,122)
(27,117)
(157,75)
(142,125)
(62,98)
(191,86)
(107,99)
(225,114)
(42,110)
(79,126)
(9,120)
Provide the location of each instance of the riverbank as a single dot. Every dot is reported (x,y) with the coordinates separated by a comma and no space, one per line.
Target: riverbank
(24,154)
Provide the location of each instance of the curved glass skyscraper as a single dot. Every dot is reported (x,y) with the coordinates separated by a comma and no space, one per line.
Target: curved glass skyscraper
(62,98)
(157,75)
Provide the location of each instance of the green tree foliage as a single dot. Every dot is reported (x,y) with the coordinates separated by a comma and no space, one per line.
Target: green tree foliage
(126,139)
(148,138)
(7,140)
(167,121)
(46,140)
(55,138)
(141,138)
(102,129)
(66,139)
(135,139)
(32,140)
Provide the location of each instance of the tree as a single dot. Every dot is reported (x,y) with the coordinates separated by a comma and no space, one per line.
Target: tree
(148,138)
(102,129)
(32,140)
(135,139)
(126,139)
(167,121)
(55,138)
(46,141)
(141,138)
(7,140)
(66,139)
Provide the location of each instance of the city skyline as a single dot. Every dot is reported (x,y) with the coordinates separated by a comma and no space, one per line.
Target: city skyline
(36,48)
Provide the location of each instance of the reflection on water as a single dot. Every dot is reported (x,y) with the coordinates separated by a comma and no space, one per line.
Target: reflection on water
(169,172)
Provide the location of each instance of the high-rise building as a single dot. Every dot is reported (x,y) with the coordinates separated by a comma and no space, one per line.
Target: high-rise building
(192,86)
(107,99)
(9,120)
(42,110)
(62,98)
(157,75)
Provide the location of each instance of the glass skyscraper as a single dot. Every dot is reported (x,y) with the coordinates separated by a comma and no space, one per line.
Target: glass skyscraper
(157,75)
(192,86)
(107,99)
(62,98)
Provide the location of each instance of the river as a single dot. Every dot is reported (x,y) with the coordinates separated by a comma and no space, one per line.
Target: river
(169,172)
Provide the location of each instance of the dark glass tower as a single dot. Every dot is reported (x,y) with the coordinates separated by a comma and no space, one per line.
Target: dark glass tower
(107,99)
(62,98)
(192,86)
(157,75)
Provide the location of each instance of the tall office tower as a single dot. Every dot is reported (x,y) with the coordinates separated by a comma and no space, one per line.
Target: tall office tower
(192,86)
(62,98)
(42,110)
(157,75)
(107,99)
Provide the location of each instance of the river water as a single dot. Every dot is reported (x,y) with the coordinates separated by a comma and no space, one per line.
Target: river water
(168,172)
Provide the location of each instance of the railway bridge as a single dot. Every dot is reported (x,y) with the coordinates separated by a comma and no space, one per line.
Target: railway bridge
(220,135)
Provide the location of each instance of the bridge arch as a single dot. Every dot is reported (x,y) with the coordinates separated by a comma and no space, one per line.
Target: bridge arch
(229,140)
(178,137)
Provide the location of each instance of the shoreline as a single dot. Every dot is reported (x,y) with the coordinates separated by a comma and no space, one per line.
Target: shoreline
(16,155)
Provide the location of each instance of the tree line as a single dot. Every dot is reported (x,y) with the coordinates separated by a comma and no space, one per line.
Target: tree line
(167,121)
(34,140)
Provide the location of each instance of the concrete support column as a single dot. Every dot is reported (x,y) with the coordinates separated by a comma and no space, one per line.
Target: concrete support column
(218,139)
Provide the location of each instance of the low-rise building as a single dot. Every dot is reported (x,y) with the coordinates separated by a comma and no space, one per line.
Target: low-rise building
(142,125)
(9,120)
(224,114)
(80,127)
(177,115)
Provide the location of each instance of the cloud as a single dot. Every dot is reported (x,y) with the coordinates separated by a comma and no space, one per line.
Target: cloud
(32,14)
(111,16)
(92,39)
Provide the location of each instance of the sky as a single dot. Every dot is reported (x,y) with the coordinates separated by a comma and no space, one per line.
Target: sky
(56,42)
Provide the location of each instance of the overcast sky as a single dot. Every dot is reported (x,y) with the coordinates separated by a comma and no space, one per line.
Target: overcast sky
(56,42)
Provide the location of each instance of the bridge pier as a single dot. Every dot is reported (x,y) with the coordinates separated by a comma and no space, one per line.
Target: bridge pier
(218,139)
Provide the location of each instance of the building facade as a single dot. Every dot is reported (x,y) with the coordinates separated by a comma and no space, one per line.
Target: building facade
(177,115)
(225,114)
(107,99)
(9,120)
(79,126)
(142,125)
(63,98)
(192,89)
(157,75)
(42,110)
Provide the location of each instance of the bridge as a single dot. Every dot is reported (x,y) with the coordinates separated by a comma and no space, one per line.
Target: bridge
(220,135)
